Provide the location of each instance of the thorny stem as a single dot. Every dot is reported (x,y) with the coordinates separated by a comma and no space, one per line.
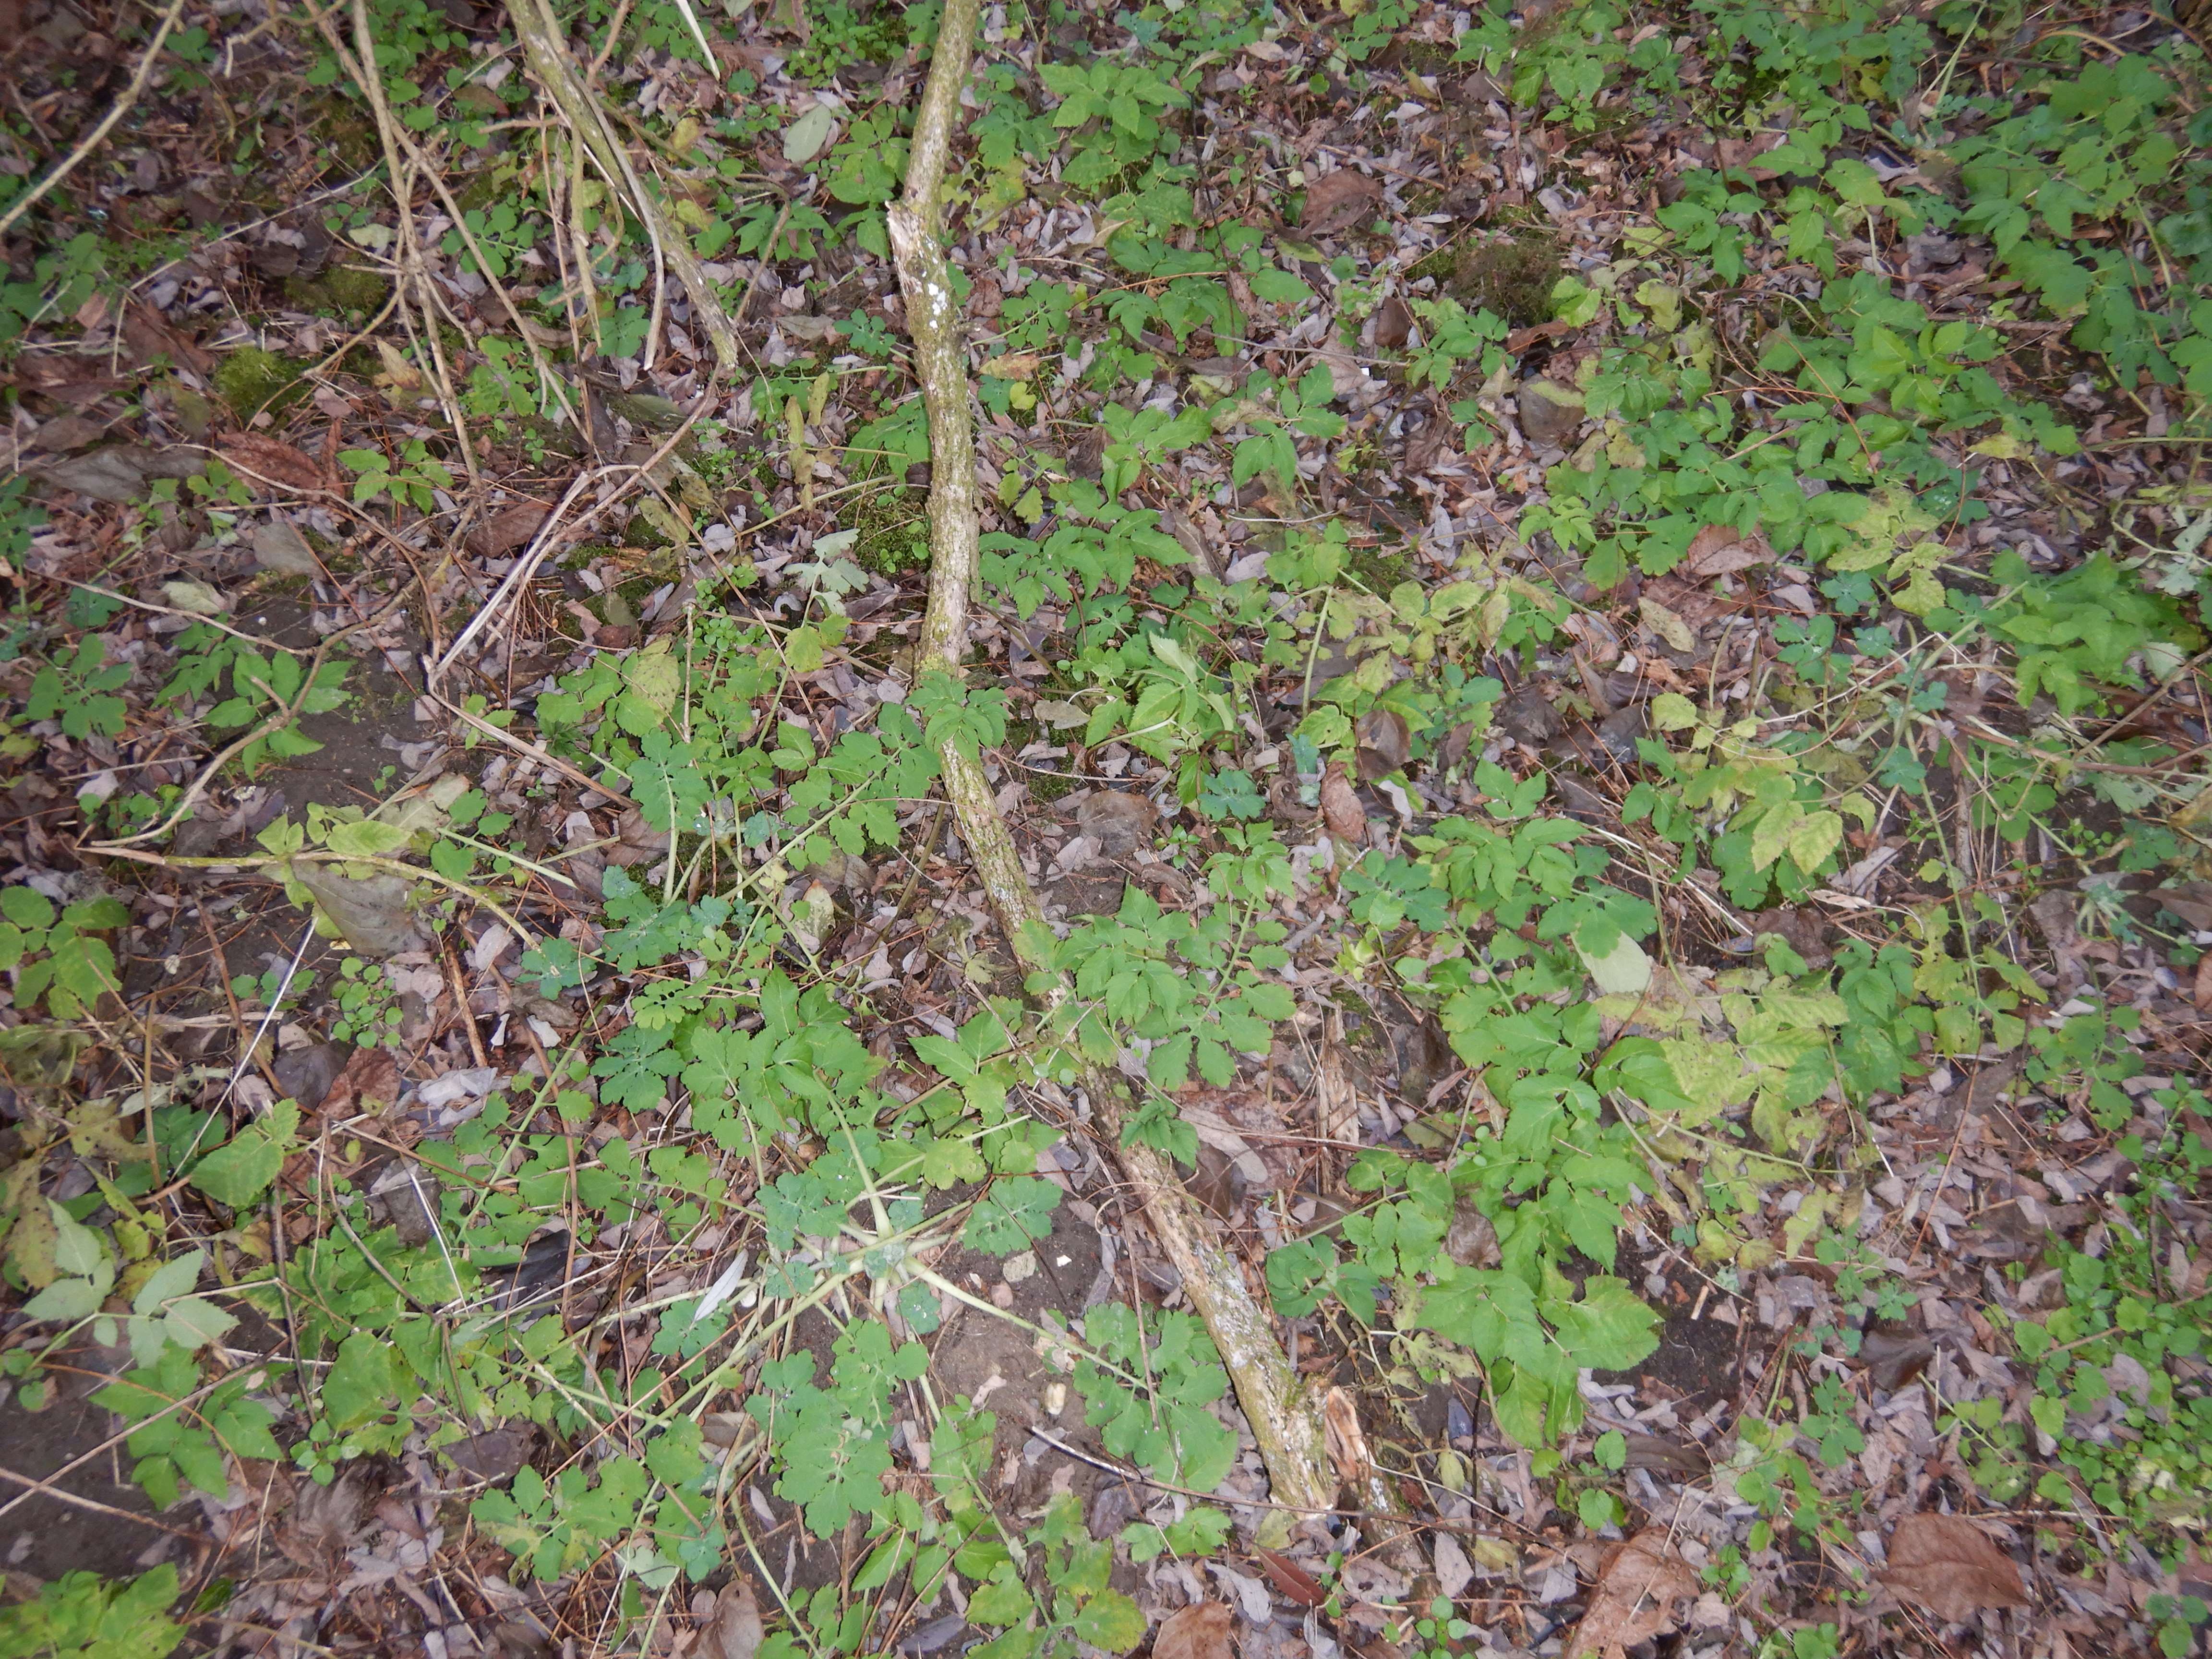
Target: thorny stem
(1283,1417)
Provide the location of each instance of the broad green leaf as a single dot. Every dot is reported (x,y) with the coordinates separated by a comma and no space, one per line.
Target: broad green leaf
(1624,971)
(1110,1621)
(168,1281)
(362,1382)
(367,838)
(77,1247)
(65,1301)
(194,1322)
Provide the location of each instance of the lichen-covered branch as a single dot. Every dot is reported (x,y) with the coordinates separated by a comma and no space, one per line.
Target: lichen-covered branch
(1285,1418)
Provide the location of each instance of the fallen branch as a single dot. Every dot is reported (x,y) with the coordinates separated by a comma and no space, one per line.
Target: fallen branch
(545,49)
(1285,1418)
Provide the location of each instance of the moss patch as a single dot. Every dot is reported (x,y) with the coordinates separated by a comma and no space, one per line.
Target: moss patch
(251,379)
(342,290)
(1513,279)
(894,531)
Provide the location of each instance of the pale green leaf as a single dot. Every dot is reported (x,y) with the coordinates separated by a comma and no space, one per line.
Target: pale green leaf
(1624,971)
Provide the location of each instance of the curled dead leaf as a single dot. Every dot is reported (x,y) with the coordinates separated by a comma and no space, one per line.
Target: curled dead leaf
(1950,1566)
(269,461)
(1721,549)
(733,1628)
(511,527)
(1634,1598)
(1119,822)
(1385,743)
(1340,807)
(1338,200)
(1201,1631)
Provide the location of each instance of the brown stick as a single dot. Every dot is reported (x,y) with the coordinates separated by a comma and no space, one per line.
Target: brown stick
(1284,1417)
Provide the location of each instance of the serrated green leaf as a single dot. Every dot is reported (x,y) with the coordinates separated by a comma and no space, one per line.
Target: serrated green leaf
(1110,1621)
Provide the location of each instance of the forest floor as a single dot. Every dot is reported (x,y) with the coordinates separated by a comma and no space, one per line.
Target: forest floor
(1592,628)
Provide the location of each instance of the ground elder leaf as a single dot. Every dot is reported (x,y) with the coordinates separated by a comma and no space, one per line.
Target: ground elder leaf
(1015,1211)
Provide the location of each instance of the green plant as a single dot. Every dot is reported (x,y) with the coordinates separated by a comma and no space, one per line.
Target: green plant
(81,1615)
(58,956)
(369,1014)
(261,688)
(80,692)
(413,476)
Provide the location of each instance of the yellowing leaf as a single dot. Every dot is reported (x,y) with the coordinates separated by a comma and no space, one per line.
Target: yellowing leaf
(197,598)
(654,677)
(1621,971)
(1672,712)
(1770,836)
(1667,625)
(1814,837)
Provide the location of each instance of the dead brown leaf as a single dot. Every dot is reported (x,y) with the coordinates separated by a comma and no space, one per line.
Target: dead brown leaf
(511,527)
(1894,1353)
(1201,1631)
(272,461)
(1721,550)
(1385,743)
(1294,1582)
(1394,324)
(371,1078)
(1339,201)
(733,1628)
(1340,807)
(1948,1565)
(1635,1596)
(148,336)
(638,842)
(1119,822)
(2202,991)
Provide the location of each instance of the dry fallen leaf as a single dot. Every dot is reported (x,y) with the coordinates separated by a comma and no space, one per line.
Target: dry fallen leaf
(1394,324)
(2201,991)
(1454,1572)
(1948,1565)
(371,1078)
(1385,743)
(1340,807)
(1635,1596)
(274,461)
(1339,201)
(1894,1353)
(1720,551)
(1119,822)
(1201,1631)
(734,1630)
(511,527)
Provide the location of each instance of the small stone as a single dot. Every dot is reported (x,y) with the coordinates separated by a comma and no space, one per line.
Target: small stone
(279,546)
(1551,413)
(1019,1266)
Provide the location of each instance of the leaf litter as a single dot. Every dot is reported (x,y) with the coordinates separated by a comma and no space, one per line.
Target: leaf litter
(1574,636)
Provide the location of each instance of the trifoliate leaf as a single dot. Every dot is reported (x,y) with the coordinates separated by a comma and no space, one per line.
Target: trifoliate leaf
(1012,1213)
